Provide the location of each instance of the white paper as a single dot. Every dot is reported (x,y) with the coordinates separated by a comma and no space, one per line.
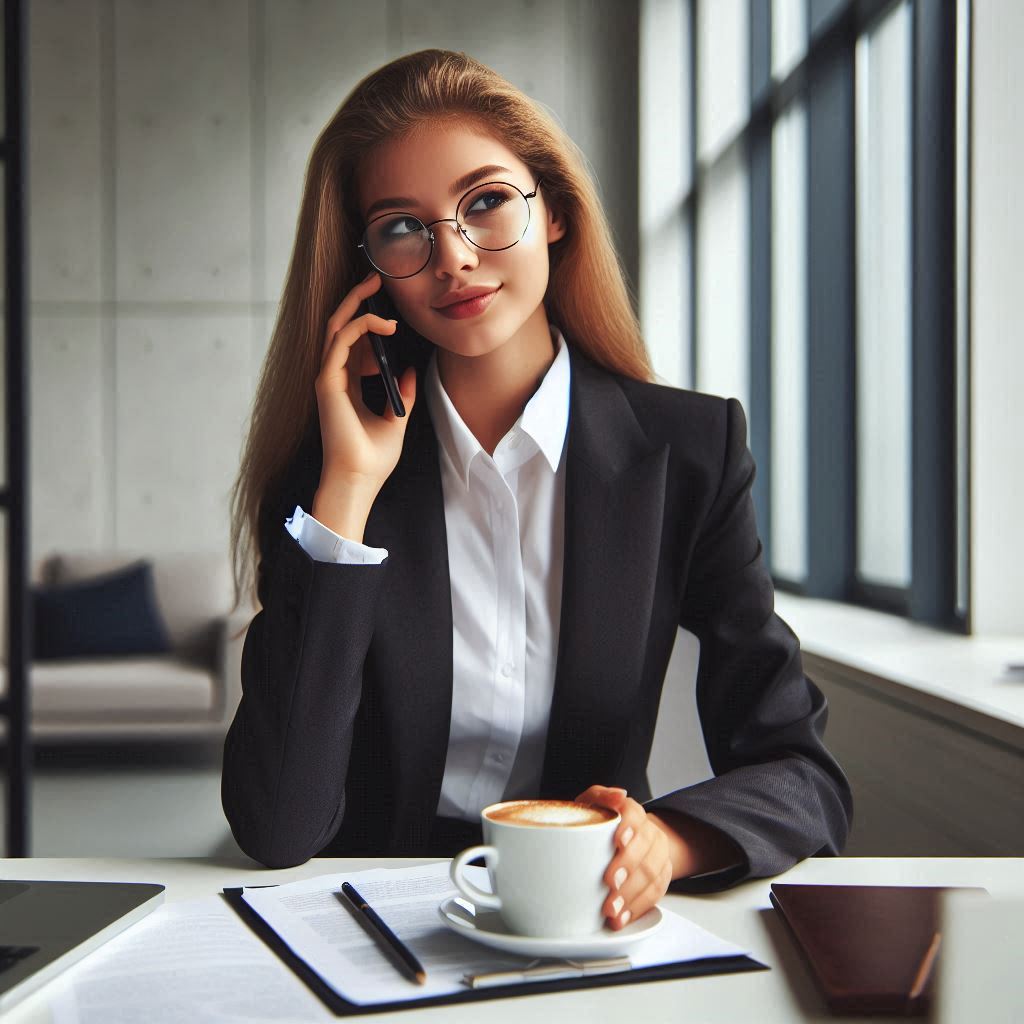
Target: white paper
(186,963)
(313,919)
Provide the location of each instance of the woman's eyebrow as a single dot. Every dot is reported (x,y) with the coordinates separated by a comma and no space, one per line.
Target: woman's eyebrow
(467,181)
(459,186)
(394,202)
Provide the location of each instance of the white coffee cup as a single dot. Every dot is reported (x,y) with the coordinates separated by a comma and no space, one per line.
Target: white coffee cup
(546,860)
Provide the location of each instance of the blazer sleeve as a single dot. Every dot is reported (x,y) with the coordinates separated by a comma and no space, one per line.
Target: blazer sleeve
(287,751)
(777,792)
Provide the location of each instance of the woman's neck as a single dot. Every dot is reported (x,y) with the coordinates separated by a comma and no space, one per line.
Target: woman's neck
(490,391)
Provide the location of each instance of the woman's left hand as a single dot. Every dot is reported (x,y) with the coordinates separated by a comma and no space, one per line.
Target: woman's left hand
(641,869)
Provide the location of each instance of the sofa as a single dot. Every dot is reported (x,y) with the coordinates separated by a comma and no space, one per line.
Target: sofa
(187,692)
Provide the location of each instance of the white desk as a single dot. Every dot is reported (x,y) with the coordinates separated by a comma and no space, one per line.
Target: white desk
(743,915)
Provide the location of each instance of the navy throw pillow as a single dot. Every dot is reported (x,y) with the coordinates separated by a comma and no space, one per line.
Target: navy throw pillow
(106,615)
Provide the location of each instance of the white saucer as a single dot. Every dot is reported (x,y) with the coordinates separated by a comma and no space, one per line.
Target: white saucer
(486,927)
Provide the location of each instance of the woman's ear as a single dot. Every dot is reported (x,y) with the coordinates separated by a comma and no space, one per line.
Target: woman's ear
(556,225)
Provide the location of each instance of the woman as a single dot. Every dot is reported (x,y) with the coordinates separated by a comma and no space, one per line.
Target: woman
(479,600)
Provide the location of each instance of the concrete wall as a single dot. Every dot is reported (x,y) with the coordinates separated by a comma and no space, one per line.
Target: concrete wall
(168,143)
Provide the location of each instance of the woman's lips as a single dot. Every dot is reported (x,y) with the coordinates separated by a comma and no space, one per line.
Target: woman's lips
(468,308)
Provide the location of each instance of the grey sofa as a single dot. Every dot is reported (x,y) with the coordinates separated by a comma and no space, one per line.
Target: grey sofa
(189,693)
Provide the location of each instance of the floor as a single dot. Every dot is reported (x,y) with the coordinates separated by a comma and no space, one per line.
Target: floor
(128,801)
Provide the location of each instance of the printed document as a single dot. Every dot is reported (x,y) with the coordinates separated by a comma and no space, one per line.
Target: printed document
(194,961)
(320,927)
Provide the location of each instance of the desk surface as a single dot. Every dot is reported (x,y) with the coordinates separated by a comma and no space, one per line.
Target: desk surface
(742,915)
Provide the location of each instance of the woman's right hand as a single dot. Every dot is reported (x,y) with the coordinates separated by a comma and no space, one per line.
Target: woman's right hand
(361,449)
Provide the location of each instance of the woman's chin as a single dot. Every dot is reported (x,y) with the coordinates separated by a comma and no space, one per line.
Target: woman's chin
(471,344)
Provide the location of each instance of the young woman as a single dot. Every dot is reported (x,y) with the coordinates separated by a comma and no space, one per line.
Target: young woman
(478,600)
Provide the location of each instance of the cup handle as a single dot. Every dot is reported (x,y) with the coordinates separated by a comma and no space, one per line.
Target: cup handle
(479,898)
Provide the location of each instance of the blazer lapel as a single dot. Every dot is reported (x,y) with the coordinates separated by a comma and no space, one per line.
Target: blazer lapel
(614,504)
(412,651)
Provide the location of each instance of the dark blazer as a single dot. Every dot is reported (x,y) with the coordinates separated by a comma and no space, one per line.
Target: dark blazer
(338,746)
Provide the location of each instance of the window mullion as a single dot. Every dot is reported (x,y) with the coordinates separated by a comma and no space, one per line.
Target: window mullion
(831,326)
(933,313)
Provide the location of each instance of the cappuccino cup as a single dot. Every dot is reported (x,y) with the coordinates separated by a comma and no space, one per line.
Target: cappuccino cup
(546,860)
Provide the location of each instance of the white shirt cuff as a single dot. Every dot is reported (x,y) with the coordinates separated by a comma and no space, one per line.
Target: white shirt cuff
(324,545)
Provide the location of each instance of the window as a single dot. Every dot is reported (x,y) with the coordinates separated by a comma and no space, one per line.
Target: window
(788,396)
(884,400)
(814,212)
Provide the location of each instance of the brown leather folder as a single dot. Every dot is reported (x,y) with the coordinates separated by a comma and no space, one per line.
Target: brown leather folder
(871,948)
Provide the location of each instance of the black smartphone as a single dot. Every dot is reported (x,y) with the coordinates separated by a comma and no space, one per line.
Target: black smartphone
(380,305)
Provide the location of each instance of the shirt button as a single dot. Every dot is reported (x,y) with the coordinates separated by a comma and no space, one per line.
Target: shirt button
(500,758)
(506,669)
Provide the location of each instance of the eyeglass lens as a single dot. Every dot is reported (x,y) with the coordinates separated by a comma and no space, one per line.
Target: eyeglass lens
(493,217)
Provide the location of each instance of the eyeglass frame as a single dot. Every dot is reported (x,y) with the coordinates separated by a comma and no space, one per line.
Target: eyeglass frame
(452,220)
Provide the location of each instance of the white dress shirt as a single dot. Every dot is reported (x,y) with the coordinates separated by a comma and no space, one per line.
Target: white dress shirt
(504,518)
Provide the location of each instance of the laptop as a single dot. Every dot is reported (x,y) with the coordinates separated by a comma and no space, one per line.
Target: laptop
(45,927)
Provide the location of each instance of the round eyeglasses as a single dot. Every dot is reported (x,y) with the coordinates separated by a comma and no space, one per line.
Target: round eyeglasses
(492,216)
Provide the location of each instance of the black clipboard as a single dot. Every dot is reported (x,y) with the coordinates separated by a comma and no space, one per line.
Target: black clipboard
(343,1008)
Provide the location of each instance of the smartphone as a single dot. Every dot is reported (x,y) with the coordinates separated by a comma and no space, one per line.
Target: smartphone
(381,306)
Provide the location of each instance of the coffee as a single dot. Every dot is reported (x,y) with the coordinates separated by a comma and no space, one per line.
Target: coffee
(549,814)
(546,860)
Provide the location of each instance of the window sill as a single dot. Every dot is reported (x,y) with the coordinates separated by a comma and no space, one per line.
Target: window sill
(964,680)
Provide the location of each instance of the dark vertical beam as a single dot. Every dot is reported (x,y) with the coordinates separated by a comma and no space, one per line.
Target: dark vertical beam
(831,324)
(19,751)
(690,206)
(760,21)
(933,516)
(822,13)
(964,76)
(693,200)
(759,151)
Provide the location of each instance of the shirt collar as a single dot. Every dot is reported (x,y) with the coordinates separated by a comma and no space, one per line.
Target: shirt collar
(545,419)
(546,416)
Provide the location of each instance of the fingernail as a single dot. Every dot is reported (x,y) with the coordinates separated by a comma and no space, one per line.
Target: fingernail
(625,918)
(617,905)
(620,877)
(627,835)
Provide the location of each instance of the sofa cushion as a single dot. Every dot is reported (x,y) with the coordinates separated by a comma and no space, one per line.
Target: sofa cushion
(113,614)
(193,591)
(118,689)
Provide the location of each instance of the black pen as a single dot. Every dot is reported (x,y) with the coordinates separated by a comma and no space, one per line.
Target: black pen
(384,933)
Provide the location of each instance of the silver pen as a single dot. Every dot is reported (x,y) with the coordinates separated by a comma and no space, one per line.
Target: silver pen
(549,970)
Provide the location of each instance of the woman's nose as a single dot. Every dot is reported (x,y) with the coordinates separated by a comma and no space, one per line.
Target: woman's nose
(452,251)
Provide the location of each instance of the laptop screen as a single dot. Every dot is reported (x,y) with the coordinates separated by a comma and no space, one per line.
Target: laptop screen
(45,927)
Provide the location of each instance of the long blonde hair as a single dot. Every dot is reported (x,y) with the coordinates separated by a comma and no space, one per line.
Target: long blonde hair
(586,295)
